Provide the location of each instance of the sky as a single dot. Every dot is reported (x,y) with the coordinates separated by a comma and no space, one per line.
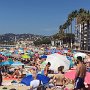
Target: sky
(42,17)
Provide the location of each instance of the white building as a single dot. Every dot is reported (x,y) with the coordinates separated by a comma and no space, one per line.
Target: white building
(56,42)
(83,36)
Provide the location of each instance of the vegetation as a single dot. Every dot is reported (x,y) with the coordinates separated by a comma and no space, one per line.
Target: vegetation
(69,38)
(11,39)
(42,41)
(80,16)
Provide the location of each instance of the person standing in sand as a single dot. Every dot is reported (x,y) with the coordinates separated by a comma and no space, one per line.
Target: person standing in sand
(80,74)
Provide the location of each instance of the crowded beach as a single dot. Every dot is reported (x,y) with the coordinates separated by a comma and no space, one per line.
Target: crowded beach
(44,68)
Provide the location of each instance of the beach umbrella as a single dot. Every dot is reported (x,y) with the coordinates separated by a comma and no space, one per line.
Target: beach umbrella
(25,56)
(28,51)
(26,80)
(71,75)
(0,63)
(44,56)
(16,55)
(57,60)
(3,57)
(17,63)
(21,50)
(16,52)
(31,53)
(10,59)
(83,55)
(6,63)
(7,54)
(2,53)
(43,78)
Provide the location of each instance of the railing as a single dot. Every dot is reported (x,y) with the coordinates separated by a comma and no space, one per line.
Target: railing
(7,46)
(84,51)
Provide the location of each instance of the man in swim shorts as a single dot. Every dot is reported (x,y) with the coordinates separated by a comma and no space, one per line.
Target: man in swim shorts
(80,74)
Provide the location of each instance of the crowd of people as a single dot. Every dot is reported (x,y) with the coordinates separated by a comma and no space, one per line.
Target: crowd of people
(58,81)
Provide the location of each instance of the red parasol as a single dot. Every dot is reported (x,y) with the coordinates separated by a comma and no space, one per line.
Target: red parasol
(71,75)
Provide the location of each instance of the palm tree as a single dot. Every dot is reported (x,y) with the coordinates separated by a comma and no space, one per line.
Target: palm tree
(70,18)
(61,32)
(81,17)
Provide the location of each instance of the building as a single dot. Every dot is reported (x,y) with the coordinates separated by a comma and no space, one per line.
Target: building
(78,35)
(56,42)
(24,43)
(83,36)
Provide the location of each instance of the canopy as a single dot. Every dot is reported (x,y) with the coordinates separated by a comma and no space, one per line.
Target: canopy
(26,80)
(7,63)
(83,55)
(17,63)
(57,60)
(3,57)
(7,54)
(25,56)
(16,55)
(71,75)
(31,53)
(43,56)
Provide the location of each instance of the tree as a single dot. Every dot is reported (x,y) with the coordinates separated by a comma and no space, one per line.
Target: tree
(82,16)
(68,38)
(42,41)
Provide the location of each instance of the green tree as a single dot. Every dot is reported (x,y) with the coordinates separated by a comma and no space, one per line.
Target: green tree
(42,41)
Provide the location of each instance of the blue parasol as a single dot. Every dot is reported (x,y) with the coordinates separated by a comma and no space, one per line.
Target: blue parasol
(7,54)
(43,78)
(26,80)
(43,56)
(17,63)
(7,63)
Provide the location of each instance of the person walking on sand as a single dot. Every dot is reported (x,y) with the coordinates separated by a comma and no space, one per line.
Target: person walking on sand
(80,74)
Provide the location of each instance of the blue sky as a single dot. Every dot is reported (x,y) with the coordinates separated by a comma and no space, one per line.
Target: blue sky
(36,16)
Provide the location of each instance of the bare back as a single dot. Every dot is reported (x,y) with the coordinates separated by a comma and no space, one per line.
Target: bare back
(81,70)
(59,79)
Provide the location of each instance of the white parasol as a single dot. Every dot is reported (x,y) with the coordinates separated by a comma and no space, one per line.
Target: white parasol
(57,60)
(83,55)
